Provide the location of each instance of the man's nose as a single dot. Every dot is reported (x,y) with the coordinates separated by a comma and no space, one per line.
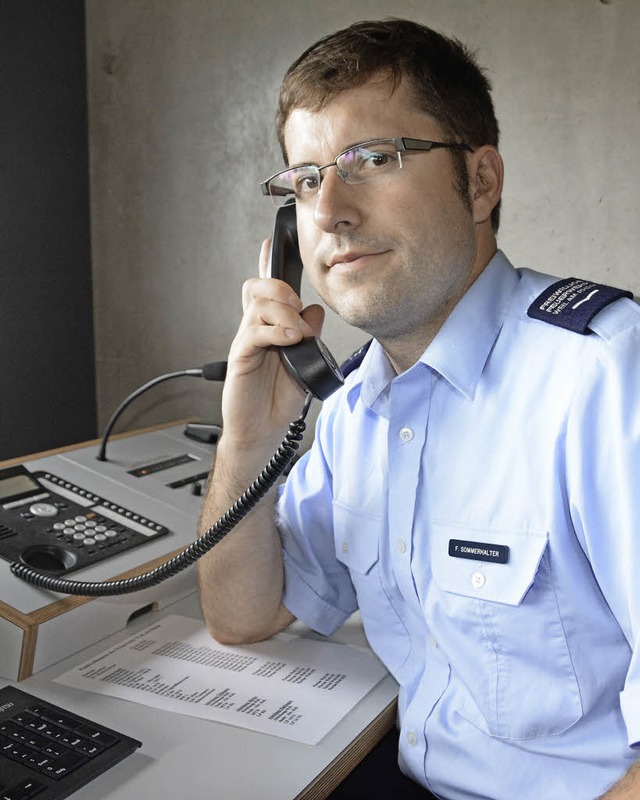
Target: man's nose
(337,203)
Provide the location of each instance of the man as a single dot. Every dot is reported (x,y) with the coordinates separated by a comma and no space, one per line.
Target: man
(473,486)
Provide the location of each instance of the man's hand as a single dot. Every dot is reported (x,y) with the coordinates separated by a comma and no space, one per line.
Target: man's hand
(260,398)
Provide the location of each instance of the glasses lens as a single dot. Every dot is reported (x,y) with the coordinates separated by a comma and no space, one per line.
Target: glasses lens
(364,161)
(299,182)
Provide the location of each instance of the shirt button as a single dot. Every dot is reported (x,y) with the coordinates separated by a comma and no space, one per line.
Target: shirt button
(406,434)
(412,739)
(345,547)
(401,547)
(478,580)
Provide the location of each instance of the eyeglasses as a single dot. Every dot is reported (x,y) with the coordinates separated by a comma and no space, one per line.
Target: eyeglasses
(356,164)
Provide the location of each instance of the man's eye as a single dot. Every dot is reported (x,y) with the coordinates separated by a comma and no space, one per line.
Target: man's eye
(370,160)
(305,184)
(378,159)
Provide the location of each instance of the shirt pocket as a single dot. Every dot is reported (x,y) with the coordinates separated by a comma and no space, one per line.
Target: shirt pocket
(358,545)
(504,634)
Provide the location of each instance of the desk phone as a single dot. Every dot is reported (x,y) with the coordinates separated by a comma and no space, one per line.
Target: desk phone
(53,525)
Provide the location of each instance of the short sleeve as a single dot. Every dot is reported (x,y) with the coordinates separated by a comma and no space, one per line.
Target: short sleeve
(603,468)
(318,589)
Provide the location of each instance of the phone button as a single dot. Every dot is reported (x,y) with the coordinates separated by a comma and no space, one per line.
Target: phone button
(43,510)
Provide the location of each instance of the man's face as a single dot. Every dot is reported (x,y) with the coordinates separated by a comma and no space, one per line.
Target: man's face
(391,256)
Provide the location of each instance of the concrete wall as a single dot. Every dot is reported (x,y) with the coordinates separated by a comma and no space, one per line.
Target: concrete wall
(182,95)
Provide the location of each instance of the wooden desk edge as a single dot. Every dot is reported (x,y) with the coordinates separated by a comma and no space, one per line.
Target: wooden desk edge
(333,774)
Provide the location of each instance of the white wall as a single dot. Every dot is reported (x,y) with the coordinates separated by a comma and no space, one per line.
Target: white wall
(182,95)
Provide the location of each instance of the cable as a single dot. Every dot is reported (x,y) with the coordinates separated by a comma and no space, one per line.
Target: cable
(215,371)
(227,522)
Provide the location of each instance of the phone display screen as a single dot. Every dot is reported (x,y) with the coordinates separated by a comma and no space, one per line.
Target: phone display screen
(16,485)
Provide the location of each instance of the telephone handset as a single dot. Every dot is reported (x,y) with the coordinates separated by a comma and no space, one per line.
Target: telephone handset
(309,362)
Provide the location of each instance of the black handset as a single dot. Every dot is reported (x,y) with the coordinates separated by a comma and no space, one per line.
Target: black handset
(309,362)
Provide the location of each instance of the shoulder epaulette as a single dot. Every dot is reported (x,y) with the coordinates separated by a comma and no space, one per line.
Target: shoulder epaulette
(572,303)
(355,359)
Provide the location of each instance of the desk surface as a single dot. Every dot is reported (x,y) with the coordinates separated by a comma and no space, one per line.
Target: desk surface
(187,757)
(182,756)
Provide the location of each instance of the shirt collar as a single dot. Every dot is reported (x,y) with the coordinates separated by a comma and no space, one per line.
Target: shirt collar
(462,345)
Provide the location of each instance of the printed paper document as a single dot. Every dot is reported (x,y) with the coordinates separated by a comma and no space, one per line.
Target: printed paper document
(287,686)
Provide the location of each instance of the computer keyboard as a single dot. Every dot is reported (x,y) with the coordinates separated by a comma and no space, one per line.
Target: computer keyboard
(47,752)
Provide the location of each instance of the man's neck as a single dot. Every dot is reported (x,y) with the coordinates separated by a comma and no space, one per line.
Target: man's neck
(407,350)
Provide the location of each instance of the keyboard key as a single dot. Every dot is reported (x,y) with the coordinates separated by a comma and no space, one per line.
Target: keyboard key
(63,766)
(23,791)
(38,761)
(53,749)
(101,738)
(61,720)
(90,749)
(35,740)
(69,739)
(47,729)
(11,730)
(16,752)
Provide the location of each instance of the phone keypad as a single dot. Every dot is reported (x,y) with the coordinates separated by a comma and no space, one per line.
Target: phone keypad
(66,527)
(87,531)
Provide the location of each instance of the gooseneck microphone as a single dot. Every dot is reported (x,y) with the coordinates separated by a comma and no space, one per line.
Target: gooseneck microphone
(214,371)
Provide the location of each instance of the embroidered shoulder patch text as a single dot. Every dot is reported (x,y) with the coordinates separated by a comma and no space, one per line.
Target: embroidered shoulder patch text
(572,303)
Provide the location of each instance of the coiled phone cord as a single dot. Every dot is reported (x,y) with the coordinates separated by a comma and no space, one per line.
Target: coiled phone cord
(275,468)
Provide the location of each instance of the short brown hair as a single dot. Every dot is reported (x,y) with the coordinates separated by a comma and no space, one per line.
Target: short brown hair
(443,75)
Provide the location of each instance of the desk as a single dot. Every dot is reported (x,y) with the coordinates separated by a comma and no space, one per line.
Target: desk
(191,758)
(181,756)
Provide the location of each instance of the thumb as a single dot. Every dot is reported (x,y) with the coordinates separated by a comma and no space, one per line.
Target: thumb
(314,316)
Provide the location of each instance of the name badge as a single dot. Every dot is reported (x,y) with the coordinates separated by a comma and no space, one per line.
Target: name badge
(479,551)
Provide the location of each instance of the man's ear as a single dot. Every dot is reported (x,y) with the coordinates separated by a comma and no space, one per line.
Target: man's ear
(486,173)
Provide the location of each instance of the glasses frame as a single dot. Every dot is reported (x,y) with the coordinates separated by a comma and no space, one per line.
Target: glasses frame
(401,143)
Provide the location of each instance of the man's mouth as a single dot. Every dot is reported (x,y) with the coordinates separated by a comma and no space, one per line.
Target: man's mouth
(354,259)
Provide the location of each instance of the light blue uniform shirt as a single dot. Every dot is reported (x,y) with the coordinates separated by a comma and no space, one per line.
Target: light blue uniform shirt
(521,679)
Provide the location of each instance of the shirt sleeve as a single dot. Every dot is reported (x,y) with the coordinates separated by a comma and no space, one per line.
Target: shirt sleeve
(318,589)
(603,478)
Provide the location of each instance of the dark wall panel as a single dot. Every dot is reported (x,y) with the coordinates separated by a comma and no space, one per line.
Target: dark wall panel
(47,384)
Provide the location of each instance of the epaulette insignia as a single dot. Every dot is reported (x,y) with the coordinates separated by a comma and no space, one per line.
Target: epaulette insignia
(572,303)
(355,359)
